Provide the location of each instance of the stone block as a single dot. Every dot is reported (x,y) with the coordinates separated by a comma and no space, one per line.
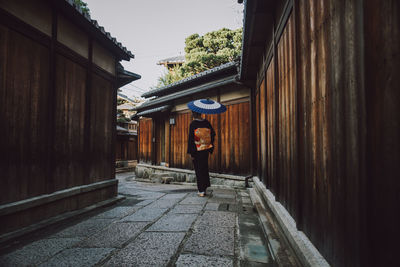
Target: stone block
(37,252)
(167,179)
(145,215)
(191,178)
(114,236)
(217,219)
(78,257)
(212,241)
(139,171)
(173,223)
(148,249)
(185,209)
(203,261)
(85,228)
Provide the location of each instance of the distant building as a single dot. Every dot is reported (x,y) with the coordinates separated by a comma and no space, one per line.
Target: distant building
(172,62)
(127,109)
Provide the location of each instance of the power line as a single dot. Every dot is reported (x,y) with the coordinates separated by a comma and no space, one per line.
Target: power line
(137,87)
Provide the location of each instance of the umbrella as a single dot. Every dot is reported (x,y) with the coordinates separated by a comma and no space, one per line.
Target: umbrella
(206,106)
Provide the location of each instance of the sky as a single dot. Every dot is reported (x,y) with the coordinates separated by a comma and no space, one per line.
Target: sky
(156,29)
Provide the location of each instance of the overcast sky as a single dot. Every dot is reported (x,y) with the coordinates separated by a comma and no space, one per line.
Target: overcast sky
(156,29)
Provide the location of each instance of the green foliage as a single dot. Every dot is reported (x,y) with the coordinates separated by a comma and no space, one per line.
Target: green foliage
(170,76)
(205,52)
(83,6)
(121,101)
(123,119)
(121,116)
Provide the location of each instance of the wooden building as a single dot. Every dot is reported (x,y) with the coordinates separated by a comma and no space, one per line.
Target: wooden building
(59,76)
(324,78)
(126,143)
(172,62)
(165,119)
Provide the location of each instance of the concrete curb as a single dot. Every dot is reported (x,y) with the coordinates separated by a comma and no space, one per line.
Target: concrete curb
(302,246)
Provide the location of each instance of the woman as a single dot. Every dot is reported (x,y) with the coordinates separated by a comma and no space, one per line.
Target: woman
(200,144)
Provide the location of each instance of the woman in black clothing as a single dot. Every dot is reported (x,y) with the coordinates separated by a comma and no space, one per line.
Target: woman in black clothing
(200,144)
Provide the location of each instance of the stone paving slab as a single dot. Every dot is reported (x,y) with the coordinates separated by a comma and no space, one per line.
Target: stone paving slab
(243,193)
(215,199)
(211,206)
(85,228)
(225,195)
(224,191)
(149,196)
(117,212)
(163,203)
(194,200)
(145,202)
(144,215)
(212,241)
(217,218)
(174,223)
(174,196)
(78,257)
(130,202)
(215,230)
(114,236)
(185,260)
(148,249)
(37,252)
(184,209)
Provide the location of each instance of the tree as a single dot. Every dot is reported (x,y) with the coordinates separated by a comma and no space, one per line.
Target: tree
(83,6)
(206,52)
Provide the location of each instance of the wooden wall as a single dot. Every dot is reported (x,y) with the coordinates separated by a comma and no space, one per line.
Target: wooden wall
(179,138)
(126,148)
(231,146)
(102,128)
(57,114)
(382,90)
(24,107)
(332,146)
(145,140)
(235,140)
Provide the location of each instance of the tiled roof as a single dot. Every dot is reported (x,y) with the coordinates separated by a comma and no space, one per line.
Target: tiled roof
(100,28)
(125,106)
(172,60)
(154,110)
(170,87)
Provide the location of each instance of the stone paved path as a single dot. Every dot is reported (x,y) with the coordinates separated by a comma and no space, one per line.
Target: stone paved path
(156,225)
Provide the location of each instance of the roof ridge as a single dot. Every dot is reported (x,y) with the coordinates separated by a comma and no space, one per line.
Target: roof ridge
(100,28)
(193,77)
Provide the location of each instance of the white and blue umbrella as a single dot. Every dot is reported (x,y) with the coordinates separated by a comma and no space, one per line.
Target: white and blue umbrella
(206,106)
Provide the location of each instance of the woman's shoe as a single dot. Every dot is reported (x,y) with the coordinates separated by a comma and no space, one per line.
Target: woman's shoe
(201,194)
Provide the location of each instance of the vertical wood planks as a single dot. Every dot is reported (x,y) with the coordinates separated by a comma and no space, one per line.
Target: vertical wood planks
(24,89)
(287,118)
(69,147)
(270,105)
(101,127)
(145,142)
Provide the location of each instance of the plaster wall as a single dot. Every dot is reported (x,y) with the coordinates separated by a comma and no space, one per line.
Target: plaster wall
(35,13)
(72,37)
(236,94)
(103,59)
